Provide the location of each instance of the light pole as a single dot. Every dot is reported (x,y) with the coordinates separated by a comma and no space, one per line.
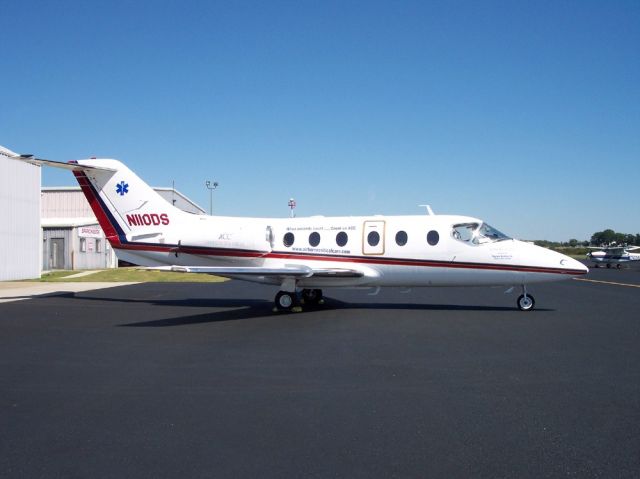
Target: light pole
(292,205)
(211,187)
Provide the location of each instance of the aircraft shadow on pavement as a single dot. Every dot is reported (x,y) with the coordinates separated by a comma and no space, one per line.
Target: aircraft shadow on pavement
(239,309)
(254,309)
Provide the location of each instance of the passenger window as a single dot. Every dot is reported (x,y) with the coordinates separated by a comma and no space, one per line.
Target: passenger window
(342,238)
(314,239)
(373,238)
(401,238)
(433,237)
(288,239)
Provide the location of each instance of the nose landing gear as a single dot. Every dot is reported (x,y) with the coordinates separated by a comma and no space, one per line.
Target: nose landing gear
(526,302)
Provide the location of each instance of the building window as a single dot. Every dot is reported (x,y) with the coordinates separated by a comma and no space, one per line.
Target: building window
(373,238)
(83,245)
(288,239)
(401,238)
(433,237)
(342,238)
(314,239)
(98,246)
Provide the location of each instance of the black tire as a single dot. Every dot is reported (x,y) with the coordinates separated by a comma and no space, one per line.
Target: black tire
(312,296)
(526,303)
(619,266)
(285,300)
(608,265)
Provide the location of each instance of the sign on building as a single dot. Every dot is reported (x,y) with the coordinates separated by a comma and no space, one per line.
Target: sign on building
(90,232)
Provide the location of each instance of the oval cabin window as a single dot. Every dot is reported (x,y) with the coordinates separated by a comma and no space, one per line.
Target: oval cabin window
(433,237)
(314,239)
(401,238)
(342,238)
(373,238)
(288,239)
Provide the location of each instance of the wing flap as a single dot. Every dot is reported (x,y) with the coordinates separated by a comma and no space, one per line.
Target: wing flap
(288,271)
(296,272)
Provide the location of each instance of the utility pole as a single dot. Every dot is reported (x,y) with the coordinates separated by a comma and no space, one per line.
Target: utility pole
(211,186)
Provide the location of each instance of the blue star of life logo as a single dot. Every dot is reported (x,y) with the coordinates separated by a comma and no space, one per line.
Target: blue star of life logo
(122,188)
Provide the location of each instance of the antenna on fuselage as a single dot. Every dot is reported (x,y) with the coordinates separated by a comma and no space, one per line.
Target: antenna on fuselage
(429,210)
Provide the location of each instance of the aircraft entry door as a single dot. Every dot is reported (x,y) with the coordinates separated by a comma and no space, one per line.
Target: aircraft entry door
(373,237)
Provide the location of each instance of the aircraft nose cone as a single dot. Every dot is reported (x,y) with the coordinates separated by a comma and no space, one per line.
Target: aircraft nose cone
(574,265)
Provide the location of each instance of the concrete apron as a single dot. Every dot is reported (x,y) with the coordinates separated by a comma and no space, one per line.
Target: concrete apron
(19,290)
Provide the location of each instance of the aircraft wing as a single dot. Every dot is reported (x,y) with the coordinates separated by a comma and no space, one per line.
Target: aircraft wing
(294,271)
(614,250)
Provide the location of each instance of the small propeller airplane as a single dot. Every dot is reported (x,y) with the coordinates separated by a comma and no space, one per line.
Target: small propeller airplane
(303,255)
(612,254)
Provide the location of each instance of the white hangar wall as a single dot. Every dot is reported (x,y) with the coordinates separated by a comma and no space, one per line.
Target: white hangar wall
(20,233)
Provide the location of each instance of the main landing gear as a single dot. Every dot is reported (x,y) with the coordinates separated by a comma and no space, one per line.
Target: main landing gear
(525,300)
(287,301)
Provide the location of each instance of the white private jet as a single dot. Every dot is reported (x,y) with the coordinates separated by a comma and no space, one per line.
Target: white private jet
(612,254)
(303,255)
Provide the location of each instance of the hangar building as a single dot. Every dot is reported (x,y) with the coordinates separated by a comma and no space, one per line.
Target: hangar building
(20,235)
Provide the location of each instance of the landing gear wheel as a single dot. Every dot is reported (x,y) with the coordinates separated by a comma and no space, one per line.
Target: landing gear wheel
(526,302)
(285,301)
(312,296)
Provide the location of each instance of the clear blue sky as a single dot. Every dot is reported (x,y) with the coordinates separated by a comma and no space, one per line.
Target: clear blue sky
(526,114)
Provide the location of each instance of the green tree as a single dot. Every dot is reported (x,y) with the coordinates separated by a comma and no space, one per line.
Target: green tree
(603,237)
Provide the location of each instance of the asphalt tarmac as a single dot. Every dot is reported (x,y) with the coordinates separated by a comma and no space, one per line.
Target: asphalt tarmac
(203,380)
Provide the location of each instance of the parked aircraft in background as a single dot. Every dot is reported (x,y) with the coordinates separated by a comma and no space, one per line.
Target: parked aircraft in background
(613,255)
(303,255)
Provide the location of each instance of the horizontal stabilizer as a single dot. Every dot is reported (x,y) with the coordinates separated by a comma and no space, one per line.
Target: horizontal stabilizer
(56,164)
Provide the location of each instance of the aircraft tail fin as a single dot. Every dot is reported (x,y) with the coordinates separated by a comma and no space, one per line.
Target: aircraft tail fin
(127,208)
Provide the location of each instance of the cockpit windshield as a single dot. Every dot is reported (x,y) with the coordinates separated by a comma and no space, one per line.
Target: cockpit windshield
(477,233)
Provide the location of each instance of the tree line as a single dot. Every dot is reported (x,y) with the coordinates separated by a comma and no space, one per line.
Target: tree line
(599,238)
(608,236)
